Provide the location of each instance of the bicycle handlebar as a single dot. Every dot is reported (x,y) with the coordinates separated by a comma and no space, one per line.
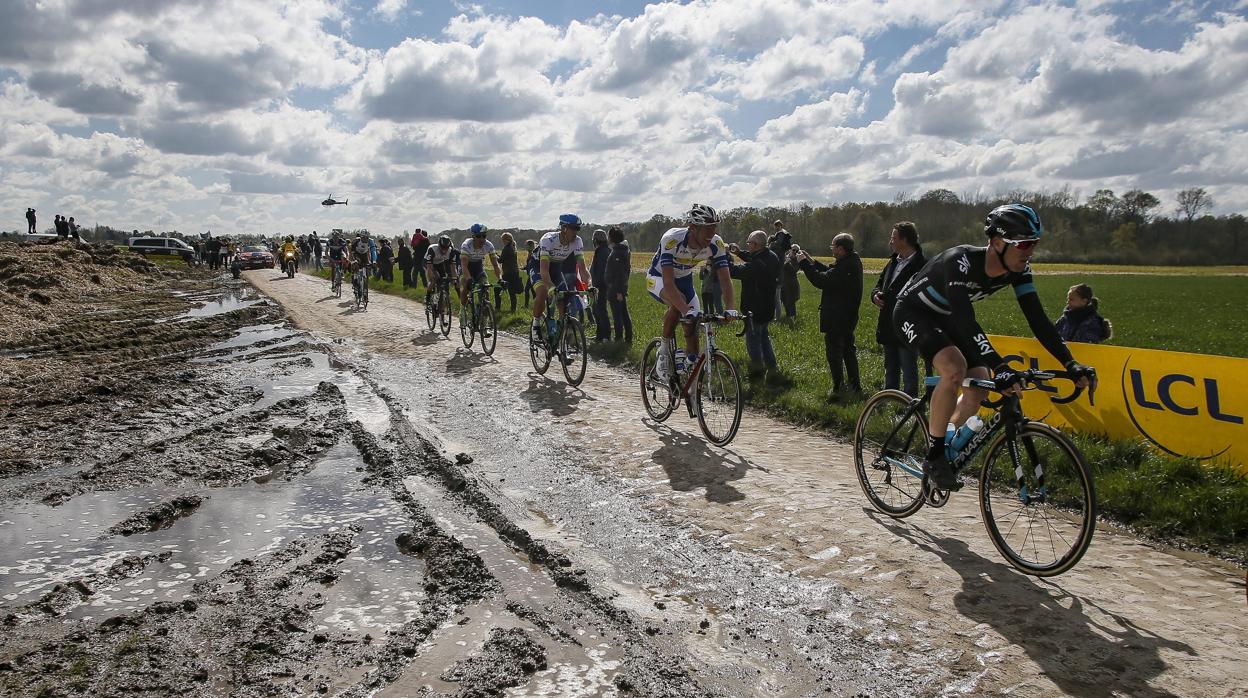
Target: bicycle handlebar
(711,317)
(1032,377)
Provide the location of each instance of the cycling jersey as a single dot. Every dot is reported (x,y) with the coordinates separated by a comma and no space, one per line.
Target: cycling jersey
(438,256)
(934,310)
(475,256)
(674,251)
(337,249)
(555,251)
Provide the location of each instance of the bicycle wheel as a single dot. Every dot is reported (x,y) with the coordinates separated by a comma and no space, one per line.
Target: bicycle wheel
(657,395)
(467,325)
(431,311)
(572,351)
(444,307)
(889,453)
(1042,513)
(718,395)
(539,350)
(488,323)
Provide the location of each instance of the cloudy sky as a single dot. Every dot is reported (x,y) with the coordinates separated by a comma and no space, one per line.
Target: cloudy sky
(242,115)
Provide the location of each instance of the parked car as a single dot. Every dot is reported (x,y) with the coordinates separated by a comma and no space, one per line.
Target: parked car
(172,247)
(256,257)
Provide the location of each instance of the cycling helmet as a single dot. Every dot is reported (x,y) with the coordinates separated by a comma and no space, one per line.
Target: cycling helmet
(477,230)
(1013,222)
(571,220)
(290,238)
(444,241)
(701,214)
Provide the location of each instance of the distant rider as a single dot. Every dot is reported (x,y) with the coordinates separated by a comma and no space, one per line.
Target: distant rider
(472,256)
(561,265)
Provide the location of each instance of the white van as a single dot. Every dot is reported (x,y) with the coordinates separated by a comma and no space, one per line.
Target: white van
(149,245)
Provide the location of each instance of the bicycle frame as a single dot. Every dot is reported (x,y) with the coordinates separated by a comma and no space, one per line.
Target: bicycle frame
(708,349)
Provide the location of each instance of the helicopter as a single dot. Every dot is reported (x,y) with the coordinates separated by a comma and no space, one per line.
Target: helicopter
(330,201)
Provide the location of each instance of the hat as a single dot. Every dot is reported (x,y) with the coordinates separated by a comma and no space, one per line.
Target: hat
(778,222)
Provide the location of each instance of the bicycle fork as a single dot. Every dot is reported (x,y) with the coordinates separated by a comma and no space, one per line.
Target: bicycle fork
(1041,492)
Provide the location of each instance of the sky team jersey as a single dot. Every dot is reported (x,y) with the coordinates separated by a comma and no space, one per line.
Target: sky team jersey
(556,252)
(674,252)
(437,255)
(475,255)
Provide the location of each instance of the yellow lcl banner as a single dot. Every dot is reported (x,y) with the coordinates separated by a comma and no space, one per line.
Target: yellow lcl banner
(1184,404)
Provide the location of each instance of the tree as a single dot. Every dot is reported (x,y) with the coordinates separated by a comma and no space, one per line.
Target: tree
(939,196)
(1123,239)
(1136,206)
(1192,202)
(1102,205)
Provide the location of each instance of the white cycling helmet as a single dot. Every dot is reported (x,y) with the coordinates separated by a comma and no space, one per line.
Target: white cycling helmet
(701,214)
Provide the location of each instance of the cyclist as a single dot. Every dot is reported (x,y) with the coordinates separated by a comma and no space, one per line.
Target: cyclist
(337,254)
(934,316)
(438,263)
(363,255)
(472,255)
(670,278)
(561,265)
(288,246)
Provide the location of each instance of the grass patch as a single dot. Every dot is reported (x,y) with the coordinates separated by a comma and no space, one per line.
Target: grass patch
(1172,499)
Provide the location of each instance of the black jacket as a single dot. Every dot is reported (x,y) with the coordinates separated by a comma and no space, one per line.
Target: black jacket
(758,274)
(598,268)
(619,266)
(405,257)
(780,242)
(842,291)
(884,326)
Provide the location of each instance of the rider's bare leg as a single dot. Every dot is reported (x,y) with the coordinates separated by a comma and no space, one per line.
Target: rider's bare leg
(968,404)
(950,365)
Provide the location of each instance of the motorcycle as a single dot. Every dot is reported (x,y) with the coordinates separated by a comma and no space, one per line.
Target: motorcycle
(288,263)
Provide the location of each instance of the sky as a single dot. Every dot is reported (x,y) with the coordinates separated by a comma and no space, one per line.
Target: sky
(242,115)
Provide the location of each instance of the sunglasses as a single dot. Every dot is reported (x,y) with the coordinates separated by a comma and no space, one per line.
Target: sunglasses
(1023,245)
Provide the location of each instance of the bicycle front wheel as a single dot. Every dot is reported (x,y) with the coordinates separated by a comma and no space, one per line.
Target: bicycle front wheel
(539,351)
(489,328)
(1038,500)
(890,445)
(656,394)
(431,312)
(572,352)
(444,308)
(719,399)
(467,325)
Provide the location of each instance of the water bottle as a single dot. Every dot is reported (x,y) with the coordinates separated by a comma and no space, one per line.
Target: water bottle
(680,360)
(551,326)
(966,433)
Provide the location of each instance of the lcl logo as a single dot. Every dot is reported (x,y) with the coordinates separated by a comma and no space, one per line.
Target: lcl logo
(1200,395)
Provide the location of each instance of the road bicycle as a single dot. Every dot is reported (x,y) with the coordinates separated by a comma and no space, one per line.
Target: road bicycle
(710,387)
(476,317)
(335,285)
(438,306)
(564,338)
(1036,493)
(359,286)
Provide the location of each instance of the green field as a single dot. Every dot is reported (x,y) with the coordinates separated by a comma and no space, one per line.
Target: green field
(1171,498)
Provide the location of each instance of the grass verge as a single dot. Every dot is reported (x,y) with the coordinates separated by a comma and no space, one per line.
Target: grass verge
(1177,501)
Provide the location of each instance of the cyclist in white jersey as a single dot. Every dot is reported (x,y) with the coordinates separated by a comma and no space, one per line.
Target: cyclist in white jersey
(472,256)
(670,277)
(561,264)
(439,262)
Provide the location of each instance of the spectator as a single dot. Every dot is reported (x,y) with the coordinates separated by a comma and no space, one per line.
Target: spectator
(619,267)
(62,226)
(758,277)
(385,261)
(712,295)
(531,268)
(405,263)
(790,288)
(214,249)
(420,247)
(72,227)
(598,278)
(510,261)
(30,221)
(317,250)
(1082,321)
(841,284)
(900,361)
(780,242)
(231,251)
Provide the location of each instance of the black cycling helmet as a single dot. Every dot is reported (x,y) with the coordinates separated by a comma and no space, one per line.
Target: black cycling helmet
(444,241)
(1013,222)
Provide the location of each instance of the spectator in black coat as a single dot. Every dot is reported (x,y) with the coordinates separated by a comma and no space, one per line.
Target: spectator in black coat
(780,242)
(598,277)
(510,262)
(619,267)
(758,275)
(30,221)
(841,284)
(62,226)
(385,261)
(405,263)
(901,369)
(532,266)
(1082,321)
(790,288)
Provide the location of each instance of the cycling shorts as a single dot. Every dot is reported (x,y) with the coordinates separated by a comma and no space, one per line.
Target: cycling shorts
(564,281)
(684,284)
(928,332)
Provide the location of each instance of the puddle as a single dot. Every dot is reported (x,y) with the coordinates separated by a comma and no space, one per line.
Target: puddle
(379,587)
(214,304)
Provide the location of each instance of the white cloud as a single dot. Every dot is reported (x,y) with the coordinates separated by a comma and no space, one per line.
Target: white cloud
(389,10)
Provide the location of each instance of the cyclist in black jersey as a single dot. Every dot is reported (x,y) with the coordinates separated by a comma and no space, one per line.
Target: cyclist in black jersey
(935,317)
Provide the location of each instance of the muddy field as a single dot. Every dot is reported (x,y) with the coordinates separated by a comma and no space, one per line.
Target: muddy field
(211,487)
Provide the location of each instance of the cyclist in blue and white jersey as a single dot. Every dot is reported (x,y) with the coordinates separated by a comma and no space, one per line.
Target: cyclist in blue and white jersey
(472,256)
(934,317)
(670,277)
(561,265)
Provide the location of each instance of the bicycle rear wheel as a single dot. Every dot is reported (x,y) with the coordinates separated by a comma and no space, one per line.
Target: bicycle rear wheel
(572,351)
(719,399)
(539,350)
(657,394)
(488,323)
(444,308)
(1040,513)
(890,445)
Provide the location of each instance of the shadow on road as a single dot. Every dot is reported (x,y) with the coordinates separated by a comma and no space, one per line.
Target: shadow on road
(691,464)
(464,361)
(327,298)
(556,397)
(427,338)
(1102,657)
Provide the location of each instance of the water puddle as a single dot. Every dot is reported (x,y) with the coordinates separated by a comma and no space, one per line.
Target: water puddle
(379,588)
(218,304)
